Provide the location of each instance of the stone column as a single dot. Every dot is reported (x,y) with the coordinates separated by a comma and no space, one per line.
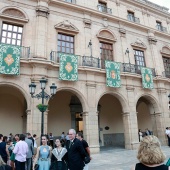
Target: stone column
(46,121)
(158,129)
(130,130)
(42,12)
(29,121)
(91,119)
(73,118)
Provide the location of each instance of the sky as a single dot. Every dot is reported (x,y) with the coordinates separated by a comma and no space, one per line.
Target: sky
(165,3)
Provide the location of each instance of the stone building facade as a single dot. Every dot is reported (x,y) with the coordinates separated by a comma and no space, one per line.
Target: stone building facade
(107,116)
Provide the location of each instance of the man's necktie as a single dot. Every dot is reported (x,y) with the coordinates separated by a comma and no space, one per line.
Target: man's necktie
(70,144)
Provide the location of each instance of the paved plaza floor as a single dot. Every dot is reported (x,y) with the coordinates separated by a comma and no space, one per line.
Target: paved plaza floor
(117,159)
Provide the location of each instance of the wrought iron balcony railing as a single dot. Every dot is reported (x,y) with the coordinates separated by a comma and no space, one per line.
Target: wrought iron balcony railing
(132,68)
(71,1)
(104,9)
(161,28)
(133,19)
(25,52)
(166,74)
(99,63)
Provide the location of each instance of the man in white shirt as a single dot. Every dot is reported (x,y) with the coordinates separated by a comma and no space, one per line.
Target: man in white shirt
(20,151)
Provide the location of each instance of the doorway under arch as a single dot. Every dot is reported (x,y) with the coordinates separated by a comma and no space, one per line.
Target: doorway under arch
(65,112)
(111,128)
(13,108)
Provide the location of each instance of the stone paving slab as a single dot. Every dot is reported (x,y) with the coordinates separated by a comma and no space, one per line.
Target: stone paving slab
(118,159)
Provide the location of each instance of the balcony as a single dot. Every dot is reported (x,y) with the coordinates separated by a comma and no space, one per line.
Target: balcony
(25,52)
(71,1)
(104,9)
(161,28)
(166,74)
(133,19)
(93,62)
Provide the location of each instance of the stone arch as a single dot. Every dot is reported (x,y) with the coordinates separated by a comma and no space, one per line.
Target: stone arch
(23,92)
(106,34)
(166,49)
(152,100)
(120,97)
(14,12)
(78,94)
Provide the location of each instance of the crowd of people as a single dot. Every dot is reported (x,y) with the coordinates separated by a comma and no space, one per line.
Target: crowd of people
(20,152)
(142,134)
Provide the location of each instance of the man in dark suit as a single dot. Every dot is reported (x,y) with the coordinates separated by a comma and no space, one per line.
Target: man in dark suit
(76,152)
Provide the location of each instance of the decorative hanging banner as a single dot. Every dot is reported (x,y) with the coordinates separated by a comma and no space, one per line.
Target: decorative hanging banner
(68,67)
(112,74)
(147,78)
(10,59)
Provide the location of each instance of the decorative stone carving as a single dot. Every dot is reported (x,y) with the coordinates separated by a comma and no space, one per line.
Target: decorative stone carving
(166,51)
(122,32)
(105,22)
(14,12)
(139,44)
(67,26)
(42,11)
(106,35)
(118,2)
(87,23)
(152,40)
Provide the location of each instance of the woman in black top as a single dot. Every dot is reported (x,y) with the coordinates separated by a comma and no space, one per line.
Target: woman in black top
(150,155)
(3,149)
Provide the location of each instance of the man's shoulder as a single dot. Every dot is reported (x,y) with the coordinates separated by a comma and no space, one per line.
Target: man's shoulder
(28,140)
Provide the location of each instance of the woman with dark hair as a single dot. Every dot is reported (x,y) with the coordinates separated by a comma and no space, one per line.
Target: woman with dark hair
(59,155)
(3,149)
(43,155)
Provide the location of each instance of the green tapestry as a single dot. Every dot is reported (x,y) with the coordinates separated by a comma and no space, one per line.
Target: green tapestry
(9,59)
(68,67)
(147,78)
(113,74)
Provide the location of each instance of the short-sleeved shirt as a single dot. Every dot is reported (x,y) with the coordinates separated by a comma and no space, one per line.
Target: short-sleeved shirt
(85,145)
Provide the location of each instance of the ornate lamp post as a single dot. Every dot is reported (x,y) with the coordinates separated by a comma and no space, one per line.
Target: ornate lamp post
(90,46)
(42,95)
(127,52)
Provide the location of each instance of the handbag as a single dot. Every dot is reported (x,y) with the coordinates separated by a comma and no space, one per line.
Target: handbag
(36,167)
(87,159)
(168,162)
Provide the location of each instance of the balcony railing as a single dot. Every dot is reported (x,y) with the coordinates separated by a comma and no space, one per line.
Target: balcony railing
(161,28)
(131,68)
(99,63)
(104,9)
(166,74)
(133,19)
(25,52)
(71,1)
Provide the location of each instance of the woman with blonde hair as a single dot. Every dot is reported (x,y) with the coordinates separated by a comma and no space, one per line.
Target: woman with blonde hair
(150,155)
(3,165)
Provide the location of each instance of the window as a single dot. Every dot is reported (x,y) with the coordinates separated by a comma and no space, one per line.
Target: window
(139,58)
(106,52)
(166,62)
(159,25)
(131,16)
(65,43)
(102,7)
(11,34)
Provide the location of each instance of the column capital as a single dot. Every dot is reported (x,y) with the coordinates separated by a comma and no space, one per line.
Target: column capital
(85,113)
(157,114)
(42,11)
(28,112)
(125,114)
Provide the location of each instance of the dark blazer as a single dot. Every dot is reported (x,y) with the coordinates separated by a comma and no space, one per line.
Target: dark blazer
(76,155)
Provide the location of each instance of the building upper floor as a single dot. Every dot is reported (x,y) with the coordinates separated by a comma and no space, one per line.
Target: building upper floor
(44,30)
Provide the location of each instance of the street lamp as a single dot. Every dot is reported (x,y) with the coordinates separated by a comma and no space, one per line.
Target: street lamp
(42,95)
(127,52)
(90,46)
